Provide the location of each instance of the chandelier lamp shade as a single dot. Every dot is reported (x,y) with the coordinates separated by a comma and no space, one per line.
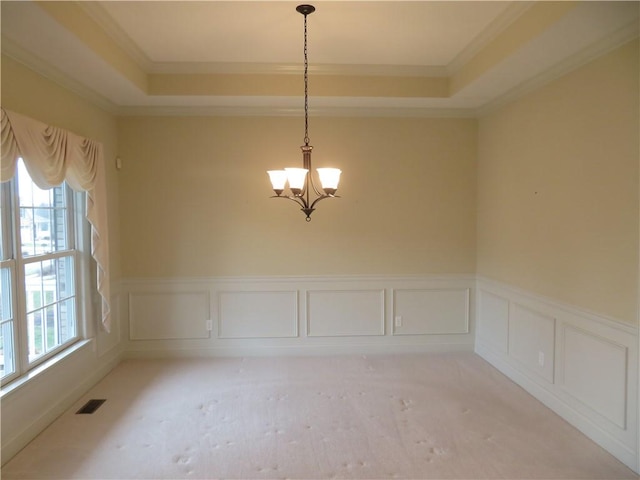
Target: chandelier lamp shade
(300,180)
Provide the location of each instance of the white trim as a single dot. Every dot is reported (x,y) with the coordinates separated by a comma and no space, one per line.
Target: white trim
(116,33)
(610,420)
(297,351)
(624,350)
(39,66)
(20,382)
(495,28)
(622,452)
(575,61)
(549,302)
(328,336)
(276,279)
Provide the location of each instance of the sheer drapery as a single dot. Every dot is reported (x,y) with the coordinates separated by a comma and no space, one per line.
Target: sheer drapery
(51,156)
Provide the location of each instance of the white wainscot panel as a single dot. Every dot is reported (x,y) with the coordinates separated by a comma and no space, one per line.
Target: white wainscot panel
(431,311)
(168,315)
(258,314)
(594,371)
(332,313)
(493,324)
(531,341)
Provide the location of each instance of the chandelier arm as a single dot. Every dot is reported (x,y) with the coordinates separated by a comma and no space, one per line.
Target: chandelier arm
(299,200)
(322,197)
(313,185)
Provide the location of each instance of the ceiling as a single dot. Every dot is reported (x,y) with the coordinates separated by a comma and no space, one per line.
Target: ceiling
(409,58)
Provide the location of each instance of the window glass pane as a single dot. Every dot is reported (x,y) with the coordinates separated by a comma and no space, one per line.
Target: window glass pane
(50,327)
(50,297)
(6,310)
(6,247)
(36,334)
(66,320)
(65,275)
(7,351)
(34,279)
(3,213)
(43,216)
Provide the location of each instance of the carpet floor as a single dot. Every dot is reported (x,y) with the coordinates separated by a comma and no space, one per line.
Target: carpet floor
(448,416)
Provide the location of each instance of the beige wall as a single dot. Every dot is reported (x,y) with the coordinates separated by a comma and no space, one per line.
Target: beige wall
(557,183)
(26,92)
(194,197)
(558,188)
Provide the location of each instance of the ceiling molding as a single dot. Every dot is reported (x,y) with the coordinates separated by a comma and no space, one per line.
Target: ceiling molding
(117,34)
(455,106)
(495,28)
(625,34)
(35,63)
(289,68)
(274,111)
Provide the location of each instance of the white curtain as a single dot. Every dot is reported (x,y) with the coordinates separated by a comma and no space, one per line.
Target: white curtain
(51,156)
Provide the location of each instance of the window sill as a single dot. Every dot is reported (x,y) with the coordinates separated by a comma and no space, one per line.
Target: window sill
(42,368)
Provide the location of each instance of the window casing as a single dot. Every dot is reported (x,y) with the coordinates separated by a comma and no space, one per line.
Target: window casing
(40,263)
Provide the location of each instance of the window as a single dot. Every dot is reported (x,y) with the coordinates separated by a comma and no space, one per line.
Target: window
(39,258)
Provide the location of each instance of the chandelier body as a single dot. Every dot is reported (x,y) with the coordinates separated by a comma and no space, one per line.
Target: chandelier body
(300,180)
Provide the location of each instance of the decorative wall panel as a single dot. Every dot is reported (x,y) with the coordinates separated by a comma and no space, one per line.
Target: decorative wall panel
(431,311)
(594,371)
(493,320)
(333,313)
(272,314)
(168,315)
(532,341)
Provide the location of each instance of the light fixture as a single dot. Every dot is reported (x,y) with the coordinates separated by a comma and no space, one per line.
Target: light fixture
(300,179)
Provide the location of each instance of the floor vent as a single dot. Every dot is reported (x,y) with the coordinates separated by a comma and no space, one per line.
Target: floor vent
(91,406)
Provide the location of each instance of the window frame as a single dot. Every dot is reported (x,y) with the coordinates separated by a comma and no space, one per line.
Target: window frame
(77,248)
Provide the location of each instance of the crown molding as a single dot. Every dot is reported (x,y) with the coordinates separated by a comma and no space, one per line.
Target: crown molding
(495,28)
(41,67)
(97,13)
(625,34)
(274,111)
(289,68)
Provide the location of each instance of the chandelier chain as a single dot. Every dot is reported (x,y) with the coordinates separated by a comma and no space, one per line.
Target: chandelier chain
(306,86)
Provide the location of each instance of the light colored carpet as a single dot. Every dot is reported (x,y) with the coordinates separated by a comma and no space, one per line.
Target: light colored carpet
(396,416)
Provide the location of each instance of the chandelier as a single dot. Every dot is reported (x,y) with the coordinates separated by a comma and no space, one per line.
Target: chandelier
(300,180)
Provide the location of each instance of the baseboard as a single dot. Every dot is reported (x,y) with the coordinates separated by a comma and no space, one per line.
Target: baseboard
(581,365)
(300,351)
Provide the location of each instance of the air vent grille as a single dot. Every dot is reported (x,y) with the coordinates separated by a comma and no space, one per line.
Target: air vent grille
(91,406)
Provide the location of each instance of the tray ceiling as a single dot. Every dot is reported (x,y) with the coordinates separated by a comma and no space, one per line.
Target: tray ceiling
(378,58)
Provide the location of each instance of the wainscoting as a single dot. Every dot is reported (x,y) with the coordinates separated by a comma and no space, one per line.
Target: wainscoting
(297,315)
(581,365)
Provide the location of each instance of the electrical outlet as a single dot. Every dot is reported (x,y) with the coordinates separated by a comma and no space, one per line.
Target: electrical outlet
(209,325)
(541,359)
(398,321)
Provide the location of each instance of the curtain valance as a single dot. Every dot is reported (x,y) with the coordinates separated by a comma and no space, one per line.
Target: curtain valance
(51,156)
